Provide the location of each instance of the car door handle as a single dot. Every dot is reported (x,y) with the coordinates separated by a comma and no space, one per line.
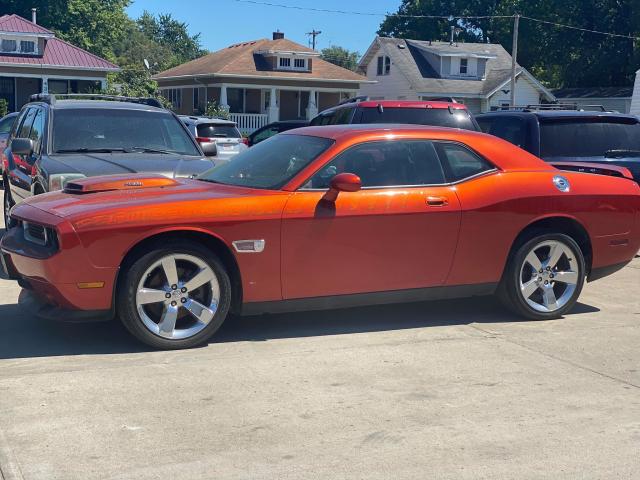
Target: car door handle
(437,201)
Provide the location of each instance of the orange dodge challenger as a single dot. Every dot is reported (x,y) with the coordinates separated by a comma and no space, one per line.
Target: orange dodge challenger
(322,217)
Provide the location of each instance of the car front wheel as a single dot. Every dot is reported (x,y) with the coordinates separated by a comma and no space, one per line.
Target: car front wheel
(544,277)
(7,204)
(175,296)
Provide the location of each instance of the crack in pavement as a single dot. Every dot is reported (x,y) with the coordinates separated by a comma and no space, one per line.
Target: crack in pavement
(555,357)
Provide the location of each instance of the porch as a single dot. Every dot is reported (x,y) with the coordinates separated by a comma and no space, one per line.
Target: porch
(17,89)
(253,106)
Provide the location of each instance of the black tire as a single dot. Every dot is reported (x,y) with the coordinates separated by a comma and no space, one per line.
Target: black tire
(7,203)
(130,279)
(510,292)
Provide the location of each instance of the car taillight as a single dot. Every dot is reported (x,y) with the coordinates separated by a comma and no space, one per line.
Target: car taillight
(203,139)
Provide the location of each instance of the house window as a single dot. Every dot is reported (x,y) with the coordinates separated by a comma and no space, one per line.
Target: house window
(174,95)
(384,65)
(284,62)
(299,63)
(9,45)
(27,46)
(464,65)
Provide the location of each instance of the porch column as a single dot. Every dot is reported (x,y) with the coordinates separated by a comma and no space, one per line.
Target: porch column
(45,85)
(103,84)
(223,96)
(312,108)
(273,111)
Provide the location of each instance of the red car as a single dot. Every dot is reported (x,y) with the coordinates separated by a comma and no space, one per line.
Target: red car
(323,217)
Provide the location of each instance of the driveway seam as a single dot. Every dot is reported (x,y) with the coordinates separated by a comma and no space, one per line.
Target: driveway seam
(560,359)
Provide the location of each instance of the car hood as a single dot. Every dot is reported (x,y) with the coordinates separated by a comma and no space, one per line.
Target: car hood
(92,164)
(137,197)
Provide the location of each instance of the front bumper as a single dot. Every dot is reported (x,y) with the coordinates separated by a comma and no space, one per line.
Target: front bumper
(56,277)
(33,303)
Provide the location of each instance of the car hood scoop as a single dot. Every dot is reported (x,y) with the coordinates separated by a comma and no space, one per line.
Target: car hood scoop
(109,183)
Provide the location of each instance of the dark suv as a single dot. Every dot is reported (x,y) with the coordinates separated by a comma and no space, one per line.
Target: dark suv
(566,136)
(358,110)
(55,140)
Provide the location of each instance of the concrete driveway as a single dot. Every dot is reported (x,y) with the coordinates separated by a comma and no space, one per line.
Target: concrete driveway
(447,390)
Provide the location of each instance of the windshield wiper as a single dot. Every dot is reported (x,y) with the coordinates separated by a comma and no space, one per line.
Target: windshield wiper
(91,150)
(151,150)
(621,153)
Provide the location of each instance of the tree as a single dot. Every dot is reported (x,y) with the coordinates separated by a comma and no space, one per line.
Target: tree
(557,56)
(341,57)
(173,35)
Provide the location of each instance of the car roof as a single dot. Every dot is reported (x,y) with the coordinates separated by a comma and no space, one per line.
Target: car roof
(547,114)
(355,129)
(397,104)
(102,104)
(191,119)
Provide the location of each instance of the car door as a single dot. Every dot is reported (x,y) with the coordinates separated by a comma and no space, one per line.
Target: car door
(20,166)
(398,232)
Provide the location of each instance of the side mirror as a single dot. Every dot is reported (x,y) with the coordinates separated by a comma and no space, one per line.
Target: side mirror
(343,182)
(22,146)
(209,149)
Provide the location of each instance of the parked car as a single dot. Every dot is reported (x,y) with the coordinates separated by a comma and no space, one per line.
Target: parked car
(322,217)
(571,137)
(6,123)
(274,128)
(358,110)
(57,140)
(223,134)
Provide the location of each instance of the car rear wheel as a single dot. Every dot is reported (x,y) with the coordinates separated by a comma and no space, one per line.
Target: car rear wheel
(544,277)
(175,296)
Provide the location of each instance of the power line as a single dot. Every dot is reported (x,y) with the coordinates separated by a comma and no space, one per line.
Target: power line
(630,37)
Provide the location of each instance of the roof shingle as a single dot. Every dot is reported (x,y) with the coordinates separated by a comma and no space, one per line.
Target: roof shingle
(240,59)
(17,24)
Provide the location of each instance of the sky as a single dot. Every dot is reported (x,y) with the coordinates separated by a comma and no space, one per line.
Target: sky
(224,22)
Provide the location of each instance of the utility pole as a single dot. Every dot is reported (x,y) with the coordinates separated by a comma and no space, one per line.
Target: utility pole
(313,34)
(514,56)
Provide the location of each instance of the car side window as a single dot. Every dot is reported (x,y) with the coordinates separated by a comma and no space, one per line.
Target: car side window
(511,128)
(6,124)
(37,131)
(385,164)
(263,135)
(460,162)
(25,126)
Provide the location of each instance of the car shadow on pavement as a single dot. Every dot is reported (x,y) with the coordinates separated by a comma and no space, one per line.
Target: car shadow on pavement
(25,336)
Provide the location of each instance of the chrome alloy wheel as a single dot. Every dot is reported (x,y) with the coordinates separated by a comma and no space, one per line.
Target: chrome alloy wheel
(549,276)
(177,296)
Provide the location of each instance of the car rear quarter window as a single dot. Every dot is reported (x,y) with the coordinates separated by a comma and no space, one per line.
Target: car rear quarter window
(385,164)
(212,130)
(511,128)
(588,137)
(439,117)
(460,162)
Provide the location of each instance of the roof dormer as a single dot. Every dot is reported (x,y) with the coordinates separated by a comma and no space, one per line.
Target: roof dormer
(280,56)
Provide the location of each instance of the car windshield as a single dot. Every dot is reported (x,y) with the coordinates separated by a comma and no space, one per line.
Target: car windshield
(588,137)
(439,117)
(270,164)
(212,130)
(111,129)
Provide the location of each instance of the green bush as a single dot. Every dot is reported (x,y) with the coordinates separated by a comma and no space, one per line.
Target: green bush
(4,107)
(215,110)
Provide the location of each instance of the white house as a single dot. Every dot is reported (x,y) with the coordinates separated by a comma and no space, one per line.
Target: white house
(635,97)
(616,99)
(476,74)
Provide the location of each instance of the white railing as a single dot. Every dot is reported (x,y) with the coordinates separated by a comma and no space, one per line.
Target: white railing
(249,122)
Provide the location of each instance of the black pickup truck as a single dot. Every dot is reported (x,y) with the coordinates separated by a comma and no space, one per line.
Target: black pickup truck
(567,137)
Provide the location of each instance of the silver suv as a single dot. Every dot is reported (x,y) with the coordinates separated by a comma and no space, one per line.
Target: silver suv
(224,134)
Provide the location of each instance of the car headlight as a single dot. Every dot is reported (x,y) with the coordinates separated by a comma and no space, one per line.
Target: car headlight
(59,180)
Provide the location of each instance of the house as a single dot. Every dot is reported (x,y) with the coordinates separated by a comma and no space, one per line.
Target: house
(616,99)
(259,81)
(34,60)
(476,74)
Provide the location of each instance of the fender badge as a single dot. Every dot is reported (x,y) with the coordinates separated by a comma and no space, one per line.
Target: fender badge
(561,183)
(248,246)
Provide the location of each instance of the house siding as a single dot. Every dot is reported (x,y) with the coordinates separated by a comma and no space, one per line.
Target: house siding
(389,87)
(526,94)
(622,105)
